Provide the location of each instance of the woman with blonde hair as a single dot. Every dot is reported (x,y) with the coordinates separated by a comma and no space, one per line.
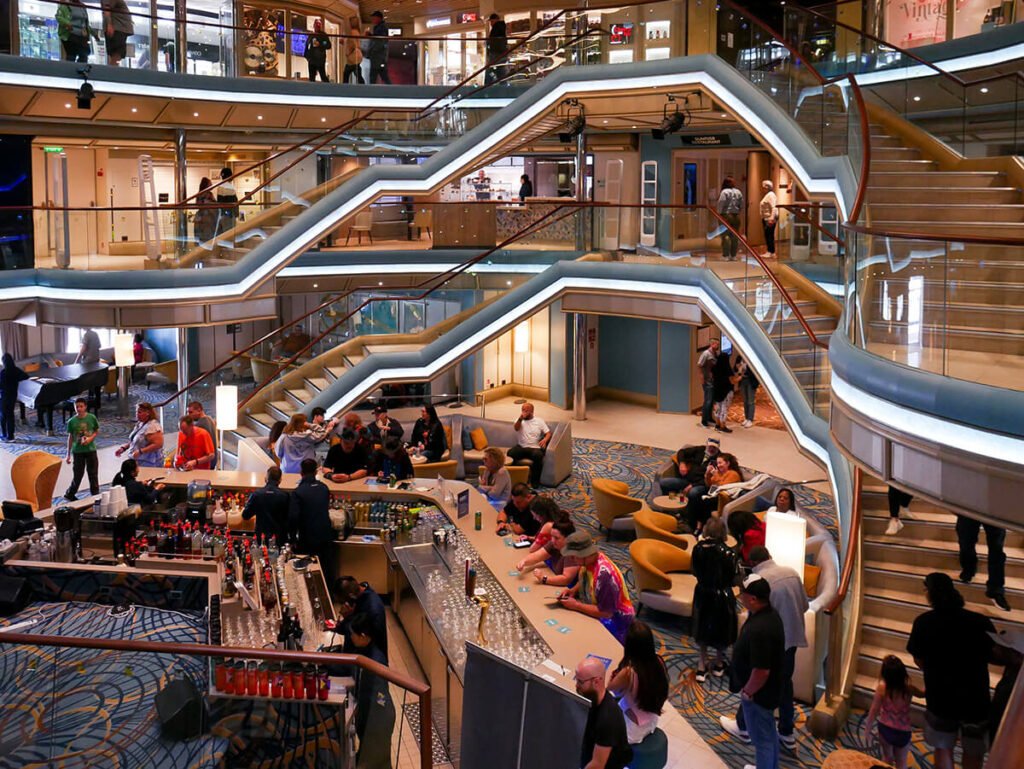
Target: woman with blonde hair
(146,440)
(297,442)
(353,52)
(495,481)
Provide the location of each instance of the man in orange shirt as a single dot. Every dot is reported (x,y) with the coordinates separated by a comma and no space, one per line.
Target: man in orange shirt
(195,447)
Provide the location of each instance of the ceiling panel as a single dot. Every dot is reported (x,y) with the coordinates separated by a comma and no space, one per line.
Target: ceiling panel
(194,113)
(62,105)
(124,109)
(14,100)
(258,116)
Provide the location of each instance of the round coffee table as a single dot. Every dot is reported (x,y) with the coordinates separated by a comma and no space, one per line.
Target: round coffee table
(666,504)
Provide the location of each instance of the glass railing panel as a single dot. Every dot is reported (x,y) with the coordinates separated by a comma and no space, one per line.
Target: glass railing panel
(945,306)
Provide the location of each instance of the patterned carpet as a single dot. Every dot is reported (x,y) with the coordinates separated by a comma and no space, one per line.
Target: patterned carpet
(700,704)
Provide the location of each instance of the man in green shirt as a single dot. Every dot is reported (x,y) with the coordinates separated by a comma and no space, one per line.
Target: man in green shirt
(83,428)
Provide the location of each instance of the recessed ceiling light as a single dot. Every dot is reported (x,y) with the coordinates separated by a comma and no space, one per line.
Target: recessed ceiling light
(605,122)
(508,282)
(195,114)
(917,98)
(117,148)
(316,285)
(323,120)
(984,89)
(380,282)
(723,115)
(259,117)
(135,109)
(67,106)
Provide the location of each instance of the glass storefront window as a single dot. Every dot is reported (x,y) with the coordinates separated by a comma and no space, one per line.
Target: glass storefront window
(262,48)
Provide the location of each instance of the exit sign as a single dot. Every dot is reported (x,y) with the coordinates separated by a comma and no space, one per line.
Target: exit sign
(53,149)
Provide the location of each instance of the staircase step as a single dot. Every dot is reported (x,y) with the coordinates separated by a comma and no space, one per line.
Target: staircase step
(990,195)
(334,372)
(977,213)
(318,383)
(898,616)
(935,555)
(903,178)
(261,421)
(913,166)
(299,397)
(280,409)
(908,578)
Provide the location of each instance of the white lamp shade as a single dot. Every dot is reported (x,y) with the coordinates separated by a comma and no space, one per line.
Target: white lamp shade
(227,407)
(124,354)
(521,338)
(786,539)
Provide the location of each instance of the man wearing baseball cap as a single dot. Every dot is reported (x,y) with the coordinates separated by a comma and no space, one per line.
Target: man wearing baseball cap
(757,666)
(384,426)
(600,590)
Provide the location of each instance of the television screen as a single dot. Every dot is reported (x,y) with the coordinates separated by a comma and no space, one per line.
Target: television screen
(621,34)
(298,42)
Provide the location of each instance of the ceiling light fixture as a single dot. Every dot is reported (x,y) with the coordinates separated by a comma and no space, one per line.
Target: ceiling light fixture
(917,98)
(85,93)
(984,89)
(195,114)
(575,121)
(259,117)
(671,118)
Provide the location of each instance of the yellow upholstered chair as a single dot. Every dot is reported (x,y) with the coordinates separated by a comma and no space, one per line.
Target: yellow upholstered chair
(110,388)
(34,476)
(662,577)
(163,374)
(654,525)
(445,469)
(613,505)
(518,473)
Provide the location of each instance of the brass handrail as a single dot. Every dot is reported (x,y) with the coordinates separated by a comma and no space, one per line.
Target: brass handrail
(421,690)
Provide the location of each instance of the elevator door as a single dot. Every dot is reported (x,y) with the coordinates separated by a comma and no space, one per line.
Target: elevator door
(613,214)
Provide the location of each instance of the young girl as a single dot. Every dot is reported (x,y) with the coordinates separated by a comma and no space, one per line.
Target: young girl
(891,707)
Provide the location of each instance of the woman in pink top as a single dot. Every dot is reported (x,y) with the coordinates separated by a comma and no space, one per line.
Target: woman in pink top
(891,707)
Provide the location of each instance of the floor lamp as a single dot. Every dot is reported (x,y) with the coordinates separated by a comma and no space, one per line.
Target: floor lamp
(124,359)
(521,346)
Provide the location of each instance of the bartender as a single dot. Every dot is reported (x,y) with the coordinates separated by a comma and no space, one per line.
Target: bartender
(137,492)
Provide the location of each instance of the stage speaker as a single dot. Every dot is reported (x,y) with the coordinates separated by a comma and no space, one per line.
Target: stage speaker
(15,593)
(180,708)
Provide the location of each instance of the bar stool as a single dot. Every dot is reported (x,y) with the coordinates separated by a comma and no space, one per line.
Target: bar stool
(652,753)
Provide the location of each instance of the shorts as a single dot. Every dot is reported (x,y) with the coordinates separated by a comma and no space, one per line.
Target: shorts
(898,738)
(942,733)
(117,44)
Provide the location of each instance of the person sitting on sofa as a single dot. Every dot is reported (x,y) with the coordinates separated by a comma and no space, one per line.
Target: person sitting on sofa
(683,473)
(694,512)
(391,459)
(384,426)
(428,434)
(532,436)
(516,517)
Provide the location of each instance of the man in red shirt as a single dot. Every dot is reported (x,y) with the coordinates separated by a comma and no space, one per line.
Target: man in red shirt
(195,447)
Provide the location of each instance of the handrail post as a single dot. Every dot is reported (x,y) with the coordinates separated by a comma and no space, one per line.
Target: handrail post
(426,731)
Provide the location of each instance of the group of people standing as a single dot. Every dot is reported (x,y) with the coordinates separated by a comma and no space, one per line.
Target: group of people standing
(730,208)
(76,32)
(720,377)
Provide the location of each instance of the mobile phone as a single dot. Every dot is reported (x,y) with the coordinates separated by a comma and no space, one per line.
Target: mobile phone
(521,544)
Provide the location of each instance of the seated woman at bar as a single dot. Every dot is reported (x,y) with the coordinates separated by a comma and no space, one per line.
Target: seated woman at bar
(375,710)
(391,459)
(562,574)
(494,479)
(138,492)
(428,434)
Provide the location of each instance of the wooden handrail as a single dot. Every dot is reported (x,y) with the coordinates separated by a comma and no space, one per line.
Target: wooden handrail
(855,523)
(934,236)
(796,55)
(774,279)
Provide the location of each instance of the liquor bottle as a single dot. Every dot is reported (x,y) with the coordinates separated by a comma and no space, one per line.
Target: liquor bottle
(197,541)
(152,538)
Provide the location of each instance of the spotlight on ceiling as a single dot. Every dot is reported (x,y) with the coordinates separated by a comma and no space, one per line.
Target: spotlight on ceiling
(575,122)
(85,93)
(671,119)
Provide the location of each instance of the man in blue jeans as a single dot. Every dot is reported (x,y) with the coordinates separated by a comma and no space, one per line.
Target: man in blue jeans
(757,667)
(706,365)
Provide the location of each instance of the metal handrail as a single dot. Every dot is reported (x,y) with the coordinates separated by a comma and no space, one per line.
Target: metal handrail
(291,324)
(440,280)
(421,690)
(797,210)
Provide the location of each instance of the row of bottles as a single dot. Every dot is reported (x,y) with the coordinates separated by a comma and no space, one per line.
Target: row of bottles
(390,515)
(291,681)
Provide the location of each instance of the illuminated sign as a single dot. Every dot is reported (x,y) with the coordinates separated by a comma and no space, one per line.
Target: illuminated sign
(53,149)
(440,21)
(621,34)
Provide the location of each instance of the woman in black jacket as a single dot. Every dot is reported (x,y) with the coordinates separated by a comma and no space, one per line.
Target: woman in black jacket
(138,493)
(10,376)
(716,567)
(428,434)
(723,386)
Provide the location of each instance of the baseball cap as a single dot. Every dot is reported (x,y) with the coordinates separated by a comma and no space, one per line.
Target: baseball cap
(757,586)
(381,409)
(348,435)
(579,544)
(714,443)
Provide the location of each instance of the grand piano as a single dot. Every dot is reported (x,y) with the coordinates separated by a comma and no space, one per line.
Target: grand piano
(49,387)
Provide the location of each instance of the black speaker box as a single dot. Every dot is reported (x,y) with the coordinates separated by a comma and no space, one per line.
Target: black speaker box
(15,594)
(10,529)
(179,706)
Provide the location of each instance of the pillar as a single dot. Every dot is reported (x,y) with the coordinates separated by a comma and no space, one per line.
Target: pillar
(183,372)
(181,188)
(579,366)
(180,62)
(581,190)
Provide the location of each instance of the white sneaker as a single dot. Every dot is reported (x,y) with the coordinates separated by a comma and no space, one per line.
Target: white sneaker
(894,527)
(747,423)
(749,766)
(730,725)
(905,514)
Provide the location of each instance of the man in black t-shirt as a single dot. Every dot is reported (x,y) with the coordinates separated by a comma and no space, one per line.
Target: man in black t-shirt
(757,663)
(605,745)
(517,513)
(348,460)
(952,647)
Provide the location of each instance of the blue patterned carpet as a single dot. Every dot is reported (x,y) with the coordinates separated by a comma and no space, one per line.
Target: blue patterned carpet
(700,704)
(74,708)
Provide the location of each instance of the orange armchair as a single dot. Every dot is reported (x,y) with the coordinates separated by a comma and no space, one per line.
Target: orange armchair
(34,476)
(663,581)
(653,525)
(613,505)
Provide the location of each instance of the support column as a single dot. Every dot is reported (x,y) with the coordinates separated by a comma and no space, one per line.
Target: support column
(180,62)
(581,189)
(579,366)
(183,369)
(181,188)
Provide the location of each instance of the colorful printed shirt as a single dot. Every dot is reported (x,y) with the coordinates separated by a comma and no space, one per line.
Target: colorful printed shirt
(605,587)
